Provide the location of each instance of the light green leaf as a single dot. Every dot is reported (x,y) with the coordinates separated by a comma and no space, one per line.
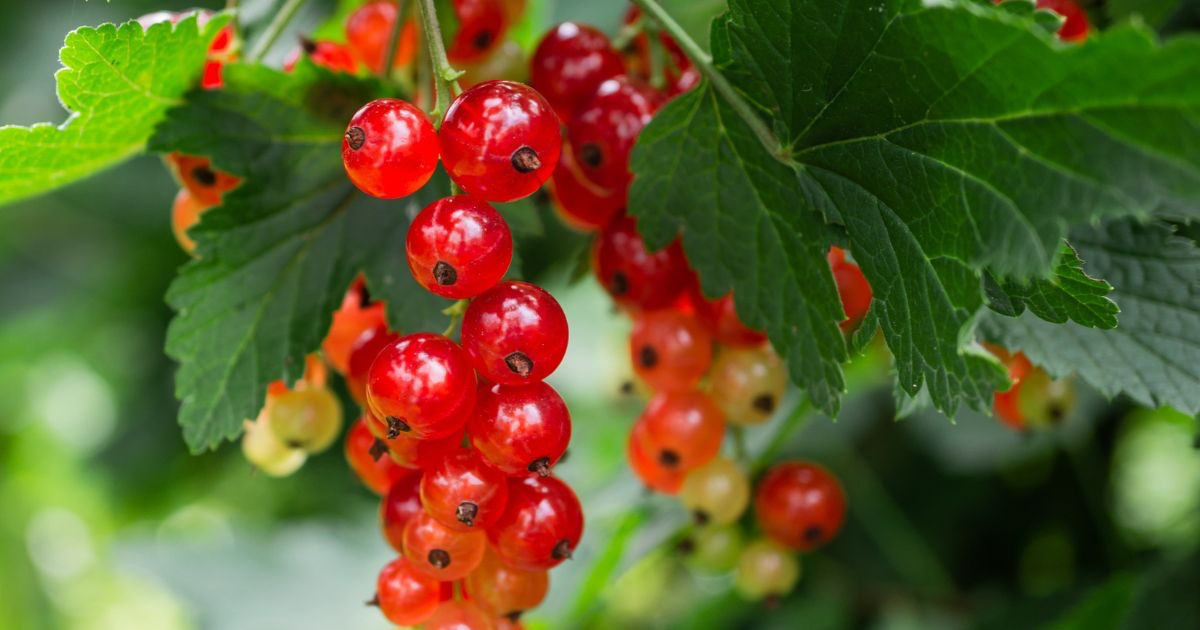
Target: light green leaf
(276,258)
(117,83)
(1153,356)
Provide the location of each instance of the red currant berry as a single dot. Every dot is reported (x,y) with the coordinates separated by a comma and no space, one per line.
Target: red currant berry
(368,458)
(458,615)
(401,503)
(500,140)
(459,247)
(356,315)
(503,590)
(481,26)
(329,55)
(678,71)
(720,317)
(520,429)
(422,385)
(185,213)
(581,203)
(362,354)
(406,596)
(606,127)
(852,286)
(368,29)
(541,525)
(571,61)
(1006,402)
(648,466)
(437,550)
(1075,26)
(516,333)
(219,52)
(413,453)
(463,491)
(800,505)
(206,184)
(670,350)
(683,429)
(633,276)
(390,149)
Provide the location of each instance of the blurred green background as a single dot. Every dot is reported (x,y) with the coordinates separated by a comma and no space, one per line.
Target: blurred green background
(107,522)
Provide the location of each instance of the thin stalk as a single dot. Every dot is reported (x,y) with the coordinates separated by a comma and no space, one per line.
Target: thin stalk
(444,74)
(739,445)
(275,29)
(703,61)
(796,419)
(455,311)
(389,58)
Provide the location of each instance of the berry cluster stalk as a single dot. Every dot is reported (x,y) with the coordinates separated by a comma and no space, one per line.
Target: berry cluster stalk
(275,29)
(389,58)
(722,85)
(444,74)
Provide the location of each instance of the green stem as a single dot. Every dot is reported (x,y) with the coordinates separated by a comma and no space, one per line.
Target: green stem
(739,445)
(444,74)
(274,29)
(455,311)
(893,533)
(703,61)
(796,419)
(389,58)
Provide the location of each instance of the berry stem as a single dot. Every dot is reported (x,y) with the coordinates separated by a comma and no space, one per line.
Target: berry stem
(274,30)
(444,74)
(703,61)
(389,58)
(739,445)
(796,419)
(455,311)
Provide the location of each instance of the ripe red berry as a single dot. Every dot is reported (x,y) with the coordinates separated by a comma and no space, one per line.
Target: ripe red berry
(329,55)
(458,615)
(678,70)
(439,551)
(463,491)
(406,596)
(516,333)
(368,458)
(800,505)
(541,525)
(362,354)
(606,127)
(721,318)
(368,29)
(219,52)
(633,276)
(422,385)
(582,204)
(390,149)
(481,26)
(357,314)
(522,428)
(571,61)
(670,350)
(459,247)
(401,503)
(648,466)
(503,590)
(414,453)
(683,429)
(852,286)
(206,184)
(1006,402)
(500,140)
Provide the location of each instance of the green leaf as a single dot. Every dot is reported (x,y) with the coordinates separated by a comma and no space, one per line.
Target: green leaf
(275,259)
(1104,607)
(948,138)
(117,83)
(1068,294)
(1154,355)
(1152,12)
(701,168)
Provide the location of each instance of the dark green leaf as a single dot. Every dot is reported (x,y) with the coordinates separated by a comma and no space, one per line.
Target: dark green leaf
(1154,355)
(1069,294)
(117,83)
(276,258)
(948,138)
